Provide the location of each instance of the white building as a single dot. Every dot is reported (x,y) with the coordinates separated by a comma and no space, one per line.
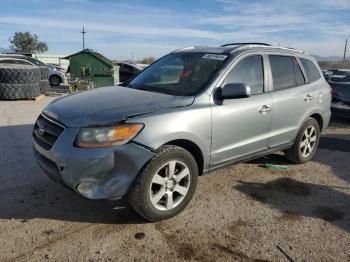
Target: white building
(52,59)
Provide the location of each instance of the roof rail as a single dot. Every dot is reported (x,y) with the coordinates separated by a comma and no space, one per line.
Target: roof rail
(245,44)
(270,46)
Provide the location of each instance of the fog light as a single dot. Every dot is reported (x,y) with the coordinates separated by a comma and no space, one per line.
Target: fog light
(86,187)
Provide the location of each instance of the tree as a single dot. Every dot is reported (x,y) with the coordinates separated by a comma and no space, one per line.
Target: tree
(27,43)
(147,60)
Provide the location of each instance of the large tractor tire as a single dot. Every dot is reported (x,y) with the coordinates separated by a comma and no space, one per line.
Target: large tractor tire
(44,86)
(19,74)
(19,91)
(44,72)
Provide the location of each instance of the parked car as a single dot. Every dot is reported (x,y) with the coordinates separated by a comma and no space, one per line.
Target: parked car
(341,97)
(336,75)
(56,75)
(150,139)
(127,71)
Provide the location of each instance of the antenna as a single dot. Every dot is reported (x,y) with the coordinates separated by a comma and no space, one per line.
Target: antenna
(83,32)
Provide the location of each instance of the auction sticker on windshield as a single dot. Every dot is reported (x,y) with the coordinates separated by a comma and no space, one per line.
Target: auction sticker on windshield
(215,56)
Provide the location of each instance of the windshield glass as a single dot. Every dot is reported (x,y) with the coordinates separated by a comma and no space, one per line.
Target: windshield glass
(182,74)
(34,61)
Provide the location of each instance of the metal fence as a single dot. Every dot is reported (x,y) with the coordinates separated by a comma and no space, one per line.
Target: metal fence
(53,59)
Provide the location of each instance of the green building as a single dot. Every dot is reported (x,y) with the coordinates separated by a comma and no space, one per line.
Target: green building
(93,67)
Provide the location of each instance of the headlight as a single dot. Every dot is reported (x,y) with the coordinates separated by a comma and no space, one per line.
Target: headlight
(94,137)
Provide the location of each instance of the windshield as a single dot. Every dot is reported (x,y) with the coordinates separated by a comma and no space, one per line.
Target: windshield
(182,74)
(35,61)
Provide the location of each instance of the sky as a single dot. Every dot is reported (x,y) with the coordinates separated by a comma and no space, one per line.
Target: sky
(126,29)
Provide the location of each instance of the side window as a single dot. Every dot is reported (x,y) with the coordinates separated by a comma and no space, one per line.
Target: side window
(7,61)
(311,69)
(249,71)
(22,62)
(298,73)
(283,72)
(346,79)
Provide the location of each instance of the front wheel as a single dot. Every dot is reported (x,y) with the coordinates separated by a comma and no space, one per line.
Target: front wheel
(166,185)
(55,80)
(305,145)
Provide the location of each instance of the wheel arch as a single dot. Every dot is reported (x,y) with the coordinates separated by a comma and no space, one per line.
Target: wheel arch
(319,120)
(193,148)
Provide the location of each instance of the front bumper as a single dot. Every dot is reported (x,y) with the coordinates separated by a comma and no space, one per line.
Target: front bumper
(111,170)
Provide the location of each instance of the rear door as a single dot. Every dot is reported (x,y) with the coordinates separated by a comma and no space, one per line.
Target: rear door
(241,126)
(293,97)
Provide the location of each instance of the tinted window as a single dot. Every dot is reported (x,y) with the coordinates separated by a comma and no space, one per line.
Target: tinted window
(342,73)
(7,61)
(346,79)
(15,61)
(283,75)
(35,61)
(311,70)
(249,71)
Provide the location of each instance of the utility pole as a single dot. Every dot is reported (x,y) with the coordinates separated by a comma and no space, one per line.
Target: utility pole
(346,45)
(83,32)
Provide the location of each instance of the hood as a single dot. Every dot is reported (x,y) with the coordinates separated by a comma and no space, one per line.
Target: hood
(108,105)
(341,91)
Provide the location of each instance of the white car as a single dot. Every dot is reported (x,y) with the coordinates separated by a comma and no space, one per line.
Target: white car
(56,76)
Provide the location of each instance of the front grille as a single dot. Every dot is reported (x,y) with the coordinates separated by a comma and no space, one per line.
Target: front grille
(48,166)
(46,132)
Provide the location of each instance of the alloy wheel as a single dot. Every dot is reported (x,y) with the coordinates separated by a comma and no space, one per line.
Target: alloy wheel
(170,184)
(308,141)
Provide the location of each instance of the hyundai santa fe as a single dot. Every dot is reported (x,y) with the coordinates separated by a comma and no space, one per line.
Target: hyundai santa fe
(191,111)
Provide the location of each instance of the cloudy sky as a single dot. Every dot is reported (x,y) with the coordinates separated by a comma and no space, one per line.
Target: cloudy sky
(120,29)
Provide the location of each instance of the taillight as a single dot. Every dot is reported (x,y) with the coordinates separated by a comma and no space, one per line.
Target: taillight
(331,89)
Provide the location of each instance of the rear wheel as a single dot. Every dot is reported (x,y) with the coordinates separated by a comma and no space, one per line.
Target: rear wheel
(305,145)
(166,185)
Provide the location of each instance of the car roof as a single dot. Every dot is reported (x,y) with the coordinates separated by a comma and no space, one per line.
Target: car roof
(12,56)
(239,47)
(129,64)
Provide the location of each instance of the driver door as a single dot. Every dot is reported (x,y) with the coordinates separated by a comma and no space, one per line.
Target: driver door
(240,127)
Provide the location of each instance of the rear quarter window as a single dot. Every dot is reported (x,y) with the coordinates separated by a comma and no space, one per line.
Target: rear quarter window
(310,69)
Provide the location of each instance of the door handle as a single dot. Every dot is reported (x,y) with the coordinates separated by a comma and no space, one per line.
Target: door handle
(308,98)
(264,109)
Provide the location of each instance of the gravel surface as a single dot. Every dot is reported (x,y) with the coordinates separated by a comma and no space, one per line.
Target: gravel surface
(243,212)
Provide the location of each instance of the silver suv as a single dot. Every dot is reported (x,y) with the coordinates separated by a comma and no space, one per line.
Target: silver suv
(193,110)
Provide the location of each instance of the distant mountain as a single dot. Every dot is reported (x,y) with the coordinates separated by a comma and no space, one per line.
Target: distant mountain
(4,50)
(330,58)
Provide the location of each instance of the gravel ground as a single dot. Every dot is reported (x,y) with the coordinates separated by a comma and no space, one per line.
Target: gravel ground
(243,212)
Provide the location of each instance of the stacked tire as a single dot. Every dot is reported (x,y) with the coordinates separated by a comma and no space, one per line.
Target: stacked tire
(44,83)
(20,81)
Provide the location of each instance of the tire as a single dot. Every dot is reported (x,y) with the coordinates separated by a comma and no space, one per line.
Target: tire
(19,91)
(44,73)
(19,74)
(296,153)
(44,86)
(143,193)
(55,80)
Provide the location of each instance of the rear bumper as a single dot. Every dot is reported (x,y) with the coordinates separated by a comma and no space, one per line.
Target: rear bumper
(341,112)
(111,170)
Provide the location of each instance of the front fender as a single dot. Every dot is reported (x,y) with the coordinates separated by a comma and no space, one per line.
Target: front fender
(191,123)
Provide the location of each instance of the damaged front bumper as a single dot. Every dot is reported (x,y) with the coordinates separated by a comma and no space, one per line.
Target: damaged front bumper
(102,173)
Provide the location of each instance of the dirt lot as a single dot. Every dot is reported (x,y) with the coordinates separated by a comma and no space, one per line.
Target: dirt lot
(243,212)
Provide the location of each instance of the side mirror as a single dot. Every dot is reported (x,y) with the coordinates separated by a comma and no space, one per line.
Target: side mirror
(236,90)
